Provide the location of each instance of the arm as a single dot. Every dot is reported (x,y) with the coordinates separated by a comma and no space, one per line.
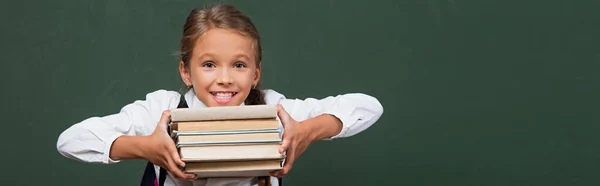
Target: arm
(321,127)
(94,140)
(335,116)
(128,147)
(328,118)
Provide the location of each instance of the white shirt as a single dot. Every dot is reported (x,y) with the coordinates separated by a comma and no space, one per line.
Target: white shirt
(90,140)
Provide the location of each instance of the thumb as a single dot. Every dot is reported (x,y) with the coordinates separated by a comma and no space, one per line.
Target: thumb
(164,120)
(283,115)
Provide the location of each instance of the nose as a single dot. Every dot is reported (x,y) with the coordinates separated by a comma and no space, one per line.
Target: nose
(224,77)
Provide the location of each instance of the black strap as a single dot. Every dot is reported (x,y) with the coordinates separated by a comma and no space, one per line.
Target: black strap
(149,177)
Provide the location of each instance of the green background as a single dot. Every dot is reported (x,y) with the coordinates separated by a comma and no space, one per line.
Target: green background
(474,92)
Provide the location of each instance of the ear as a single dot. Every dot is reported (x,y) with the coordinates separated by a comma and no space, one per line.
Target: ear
(256,76)
(185,74)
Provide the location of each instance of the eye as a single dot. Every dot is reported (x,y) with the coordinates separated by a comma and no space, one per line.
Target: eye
(239,64)
(208,64)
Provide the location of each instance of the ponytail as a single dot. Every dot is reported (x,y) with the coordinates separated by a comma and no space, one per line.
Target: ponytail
(255,97)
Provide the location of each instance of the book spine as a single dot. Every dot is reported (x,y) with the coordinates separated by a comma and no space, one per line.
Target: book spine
(180,144)
(226,132)
(224,113)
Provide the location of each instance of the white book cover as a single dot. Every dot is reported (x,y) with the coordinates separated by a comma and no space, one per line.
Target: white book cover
(224,113)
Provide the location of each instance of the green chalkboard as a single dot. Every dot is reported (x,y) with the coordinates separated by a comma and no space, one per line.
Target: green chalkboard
(474,92)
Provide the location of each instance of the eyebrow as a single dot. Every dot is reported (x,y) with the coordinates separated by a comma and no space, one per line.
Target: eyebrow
(203,55)
(212,55)
(242,55)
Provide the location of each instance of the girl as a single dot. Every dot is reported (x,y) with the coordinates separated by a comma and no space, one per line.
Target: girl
(220,64)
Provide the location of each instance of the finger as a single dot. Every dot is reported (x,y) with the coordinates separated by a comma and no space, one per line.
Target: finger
(285,144)
(189,175)
(194,176)
(179,174)
(276,173)
(174,169)
(289,161)
(175,155)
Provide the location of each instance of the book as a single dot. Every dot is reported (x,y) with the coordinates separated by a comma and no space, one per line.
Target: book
(224,113)
(226,125)
(230,152)
(233,169)
(228,138)
(233,141)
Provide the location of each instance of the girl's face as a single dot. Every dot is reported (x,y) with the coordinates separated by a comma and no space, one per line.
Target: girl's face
(222,68)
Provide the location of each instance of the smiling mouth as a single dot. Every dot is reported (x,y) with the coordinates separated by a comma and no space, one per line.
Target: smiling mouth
(223,96)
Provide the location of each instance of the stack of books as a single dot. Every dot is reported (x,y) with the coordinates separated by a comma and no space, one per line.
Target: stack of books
(236,141)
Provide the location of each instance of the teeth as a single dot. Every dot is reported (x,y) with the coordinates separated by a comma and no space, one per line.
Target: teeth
(224,95)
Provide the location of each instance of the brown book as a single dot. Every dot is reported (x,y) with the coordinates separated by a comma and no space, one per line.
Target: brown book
(225,125)
(270,136)
(233,169)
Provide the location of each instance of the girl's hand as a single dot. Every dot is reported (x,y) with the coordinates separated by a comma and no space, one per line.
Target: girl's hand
(295,140)
(161,150)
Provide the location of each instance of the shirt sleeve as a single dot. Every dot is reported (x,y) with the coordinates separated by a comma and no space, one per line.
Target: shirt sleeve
(91,139)
(356,111)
